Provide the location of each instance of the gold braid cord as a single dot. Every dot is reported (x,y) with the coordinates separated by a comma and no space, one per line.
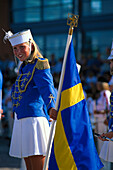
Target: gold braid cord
(42,64)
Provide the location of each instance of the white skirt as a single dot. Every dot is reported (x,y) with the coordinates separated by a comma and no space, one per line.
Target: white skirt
(107,151)
(29,137)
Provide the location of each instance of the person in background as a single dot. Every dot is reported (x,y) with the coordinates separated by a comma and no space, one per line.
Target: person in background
(8,108)
(99,108)
(107,148)
(110,88)
(1,110)
(32,91)
(89,101)
(53,63)
(111,84)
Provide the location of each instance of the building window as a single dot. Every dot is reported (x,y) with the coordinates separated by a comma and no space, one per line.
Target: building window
(56,2)
(98,41)
(40,42)
(26,11)
(51,44)
(57,11)
(37,10)
(56,44)
(96,7)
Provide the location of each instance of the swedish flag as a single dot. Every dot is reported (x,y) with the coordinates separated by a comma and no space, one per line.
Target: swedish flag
(73,147)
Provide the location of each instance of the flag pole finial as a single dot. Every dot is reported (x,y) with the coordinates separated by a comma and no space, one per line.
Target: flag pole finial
(72,20)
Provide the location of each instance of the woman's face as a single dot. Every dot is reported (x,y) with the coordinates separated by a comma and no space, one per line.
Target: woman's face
(21,51)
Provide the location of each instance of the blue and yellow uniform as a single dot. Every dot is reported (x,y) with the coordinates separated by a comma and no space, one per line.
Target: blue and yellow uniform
(33,75)
(111,113)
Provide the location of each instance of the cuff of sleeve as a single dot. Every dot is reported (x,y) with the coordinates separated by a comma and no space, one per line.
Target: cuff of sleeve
(50,106)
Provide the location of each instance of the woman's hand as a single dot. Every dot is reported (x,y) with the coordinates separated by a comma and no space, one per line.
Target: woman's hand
(109,135)
(53,113)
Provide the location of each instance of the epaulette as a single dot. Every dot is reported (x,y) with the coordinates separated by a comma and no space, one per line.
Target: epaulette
(42,63)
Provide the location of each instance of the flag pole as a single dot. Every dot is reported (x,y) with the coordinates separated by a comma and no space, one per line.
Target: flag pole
(73,22)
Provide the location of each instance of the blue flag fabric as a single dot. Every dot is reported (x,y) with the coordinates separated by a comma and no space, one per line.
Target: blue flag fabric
(73,147)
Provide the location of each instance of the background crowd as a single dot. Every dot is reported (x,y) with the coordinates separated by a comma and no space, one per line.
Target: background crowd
(95,78)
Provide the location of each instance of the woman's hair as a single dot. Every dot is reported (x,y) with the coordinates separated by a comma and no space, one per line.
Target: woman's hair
(35,53)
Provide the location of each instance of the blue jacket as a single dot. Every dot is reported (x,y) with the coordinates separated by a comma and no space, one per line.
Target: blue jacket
(33,89)
(111,113)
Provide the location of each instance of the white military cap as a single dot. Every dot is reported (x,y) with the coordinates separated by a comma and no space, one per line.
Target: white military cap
(111,55)
(18,38)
